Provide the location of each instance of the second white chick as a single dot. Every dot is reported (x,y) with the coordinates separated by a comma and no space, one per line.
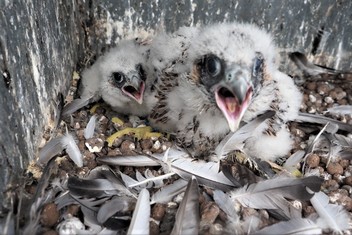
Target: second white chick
(118,77)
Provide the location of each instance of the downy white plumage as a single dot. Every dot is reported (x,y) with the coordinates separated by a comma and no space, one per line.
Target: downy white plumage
(210,79)
(118,77)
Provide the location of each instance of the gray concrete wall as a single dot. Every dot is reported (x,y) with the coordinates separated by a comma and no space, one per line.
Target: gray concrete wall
(43,42)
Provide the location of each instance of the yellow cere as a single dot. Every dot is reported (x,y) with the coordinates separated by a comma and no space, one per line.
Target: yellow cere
(94,108)
(139,133)
(117,121)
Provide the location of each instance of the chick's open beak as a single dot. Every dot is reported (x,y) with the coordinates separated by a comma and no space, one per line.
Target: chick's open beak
(134,88)
(233,95)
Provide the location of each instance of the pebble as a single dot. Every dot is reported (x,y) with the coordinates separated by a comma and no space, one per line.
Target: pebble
(158,211)
(323,88)
(330,185)
(344,163)
(311,86)
(313,160)
(156,146)
(154,228)
(335,168)
(348,180)
(94,145)
(209,212)
(329,100)
(127,147)
(312,98)
(308,210)
(50,215)
(146,144)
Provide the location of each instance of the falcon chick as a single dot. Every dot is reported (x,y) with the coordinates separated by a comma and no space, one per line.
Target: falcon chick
(221,75)
(118,77)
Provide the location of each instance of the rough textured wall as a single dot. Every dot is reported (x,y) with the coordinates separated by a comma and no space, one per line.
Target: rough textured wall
(43,42)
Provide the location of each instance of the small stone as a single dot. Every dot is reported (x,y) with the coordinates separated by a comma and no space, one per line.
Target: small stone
(154,228)
(308,210)
(247,212)
(340,198)
(77,126)
(330,185)
(80,134)
(312,98)
(114,152)
(342,102)
(146,144)
(156,146)
(344,163)
(50,215)
(127,147)
(209,212)
(339,178)
(329,100)
(311,86)
(73,209)
(311,109)
(348,180)
(337,94)
(94,145)
(158,211)
(117,142)
(335,168)
(313,160)
(323,89)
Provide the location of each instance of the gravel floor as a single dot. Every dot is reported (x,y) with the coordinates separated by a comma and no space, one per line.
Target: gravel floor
(320,93)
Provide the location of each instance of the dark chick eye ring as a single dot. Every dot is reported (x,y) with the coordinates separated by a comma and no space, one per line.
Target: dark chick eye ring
(213,65)
(141,72)
(258,64)
(118,77)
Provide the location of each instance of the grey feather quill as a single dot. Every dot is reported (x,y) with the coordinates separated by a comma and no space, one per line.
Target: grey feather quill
(187,216)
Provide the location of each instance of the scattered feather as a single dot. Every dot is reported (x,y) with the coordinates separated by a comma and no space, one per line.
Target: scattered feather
(322,120)
(330,216)
(187,216)
(237,173)
(93,188)
(235,140)
(267,194)
(292,162)
(166,193)
(308,67)
(50,149)
(89,130)
(141,214)
(340,110)
(150,181)
(138,161)
(226,204)
(121,205)
(69,143)
(207,173)
(75,105)
(293,226)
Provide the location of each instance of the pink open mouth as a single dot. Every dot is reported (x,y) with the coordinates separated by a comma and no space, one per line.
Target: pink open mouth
(136,94)
(230,106)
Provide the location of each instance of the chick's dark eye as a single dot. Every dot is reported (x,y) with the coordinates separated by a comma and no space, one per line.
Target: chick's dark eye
(258,64)
(213,65)
(118,77)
